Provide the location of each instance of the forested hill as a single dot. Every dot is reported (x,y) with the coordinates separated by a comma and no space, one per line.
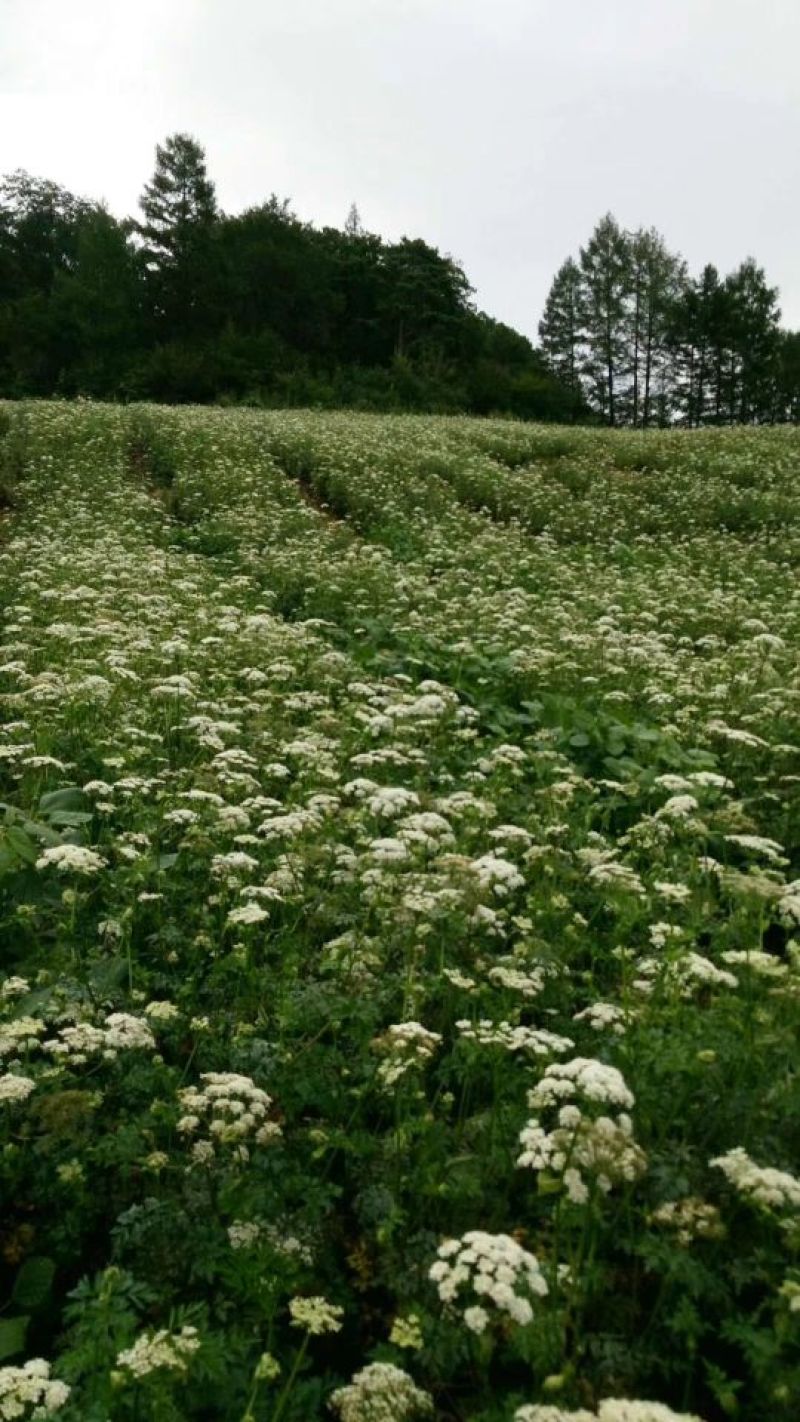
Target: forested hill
(187,303)
(191,304)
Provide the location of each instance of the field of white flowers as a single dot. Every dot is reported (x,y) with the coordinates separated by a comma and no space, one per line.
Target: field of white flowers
(400,919)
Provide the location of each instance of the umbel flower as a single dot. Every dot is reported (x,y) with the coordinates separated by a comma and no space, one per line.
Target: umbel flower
(381,1393)
(582,1145)
(31,1387)
(15,1088)
(760,1185)
(315,1315)
(488,1269)
(162,1349)
(231,1109)
(611,1409)
(404,1045)
(71,859)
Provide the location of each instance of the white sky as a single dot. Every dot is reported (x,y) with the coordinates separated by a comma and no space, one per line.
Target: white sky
(498,130)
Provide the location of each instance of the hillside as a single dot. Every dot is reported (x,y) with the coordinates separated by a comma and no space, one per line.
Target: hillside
(400,840)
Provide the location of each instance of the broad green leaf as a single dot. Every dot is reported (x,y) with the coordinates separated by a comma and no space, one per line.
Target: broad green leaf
(33,1282)
(12,1336)
(71,797)
(21,843)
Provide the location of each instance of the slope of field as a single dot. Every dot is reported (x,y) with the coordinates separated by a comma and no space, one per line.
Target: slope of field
(400,919)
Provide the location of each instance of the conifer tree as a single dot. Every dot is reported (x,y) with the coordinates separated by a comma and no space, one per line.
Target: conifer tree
(656,279)
(560,329)
(754,318)
(606,272)
(180,211)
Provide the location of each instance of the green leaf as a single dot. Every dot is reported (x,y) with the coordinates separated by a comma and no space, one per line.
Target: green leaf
(34,1282)
(108,974)
(21,843)
(71,797)
(44,833)
(12,1336)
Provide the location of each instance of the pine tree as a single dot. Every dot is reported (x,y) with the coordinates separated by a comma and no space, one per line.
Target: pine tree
(560,329)
(656,279)
(786,403)
(606,272)
(754,343)
(353,225)
(697,335)
(180,213)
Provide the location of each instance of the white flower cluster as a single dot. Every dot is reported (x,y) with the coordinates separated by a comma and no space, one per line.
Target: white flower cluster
(161,1349)
(14,987)
(765,965)
(405,1045)
(623,1409)
(687,973)
(121,1032)
(232,1109)
(389,801)
(759,844)
(498,875)
(381,1393)
(494,1269)
(581,1144)
(763,1185)
(247,915)
(71,859)
(690,1218)
(31,1387)
(547,1412)
(15,1088)
(315,1315)
(528,981)
(426,829)
(246,1234)
(161,1011)
(536,1040)
(611,1409)
(789,903)
(583,1077)
(20,1035)
(602,1017)
(608,873)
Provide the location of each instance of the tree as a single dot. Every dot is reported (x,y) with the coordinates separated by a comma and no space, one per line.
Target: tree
(754,328)
(180,216)
(425,298)
(695,337)
(560,329)
(605,264)
(39,227)
(97,305)
(656,276)
(786,400)
(353,225)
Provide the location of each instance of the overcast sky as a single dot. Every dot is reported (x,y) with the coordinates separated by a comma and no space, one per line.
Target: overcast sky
(499,130)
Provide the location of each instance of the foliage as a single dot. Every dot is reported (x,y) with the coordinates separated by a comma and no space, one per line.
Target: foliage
(399,844)
(188,304)
(646,344)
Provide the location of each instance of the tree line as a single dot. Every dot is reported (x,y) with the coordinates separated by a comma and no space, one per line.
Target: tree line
(187,303)
(629,331)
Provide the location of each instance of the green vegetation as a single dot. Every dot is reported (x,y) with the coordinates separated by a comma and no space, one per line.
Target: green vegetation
(627,329)
(191,304)
(399,899)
